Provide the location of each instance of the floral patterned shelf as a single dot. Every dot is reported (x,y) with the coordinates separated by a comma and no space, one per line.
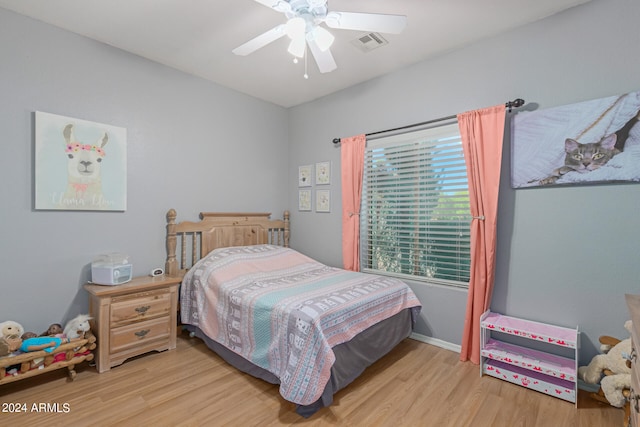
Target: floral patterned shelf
(530,359)
(548,385)
(550,334)
(546,368)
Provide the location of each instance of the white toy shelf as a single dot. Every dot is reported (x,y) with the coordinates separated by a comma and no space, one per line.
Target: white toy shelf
(525,364)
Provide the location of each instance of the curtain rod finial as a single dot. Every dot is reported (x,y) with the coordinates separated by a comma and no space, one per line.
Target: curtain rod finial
(518,102)
(336,140)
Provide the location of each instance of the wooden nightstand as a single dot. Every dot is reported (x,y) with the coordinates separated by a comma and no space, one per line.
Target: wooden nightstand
(133,318)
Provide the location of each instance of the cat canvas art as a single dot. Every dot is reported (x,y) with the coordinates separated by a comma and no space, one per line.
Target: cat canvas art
(590,142)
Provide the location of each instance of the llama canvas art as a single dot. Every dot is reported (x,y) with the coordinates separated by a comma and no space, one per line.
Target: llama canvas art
(80,165)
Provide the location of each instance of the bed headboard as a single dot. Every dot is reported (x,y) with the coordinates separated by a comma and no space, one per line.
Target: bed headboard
(219,230)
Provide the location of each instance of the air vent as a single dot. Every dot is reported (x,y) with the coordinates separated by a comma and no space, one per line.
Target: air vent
(368,42)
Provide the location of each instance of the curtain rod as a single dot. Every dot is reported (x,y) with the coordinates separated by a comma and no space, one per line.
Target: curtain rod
(518,102)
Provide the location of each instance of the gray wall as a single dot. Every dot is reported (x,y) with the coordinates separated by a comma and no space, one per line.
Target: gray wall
(565,255)
(192,145)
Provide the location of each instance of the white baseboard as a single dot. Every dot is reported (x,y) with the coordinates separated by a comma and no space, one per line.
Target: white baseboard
(434,341)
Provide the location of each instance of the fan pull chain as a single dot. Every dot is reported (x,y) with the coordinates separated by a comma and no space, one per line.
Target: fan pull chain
(295,61)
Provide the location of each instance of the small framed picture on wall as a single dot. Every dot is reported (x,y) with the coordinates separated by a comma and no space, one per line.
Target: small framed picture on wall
(304,200)
(323,201)
(304,175)
(323,173)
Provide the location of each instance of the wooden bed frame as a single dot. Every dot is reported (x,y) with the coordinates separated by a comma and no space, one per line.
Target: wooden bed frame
(194,240)
(219,230)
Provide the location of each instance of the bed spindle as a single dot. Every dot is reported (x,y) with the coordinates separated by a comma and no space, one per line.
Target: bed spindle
(194,247)
(171,265)
(286,229)
(183,255)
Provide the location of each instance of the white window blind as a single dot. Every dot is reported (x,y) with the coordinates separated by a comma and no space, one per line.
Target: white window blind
(415,216)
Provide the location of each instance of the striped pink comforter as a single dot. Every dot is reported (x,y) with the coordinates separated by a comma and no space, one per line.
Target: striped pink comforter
(284,312)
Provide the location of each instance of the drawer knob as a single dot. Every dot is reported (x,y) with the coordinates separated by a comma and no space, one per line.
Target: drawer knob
(142,333)
(143,309)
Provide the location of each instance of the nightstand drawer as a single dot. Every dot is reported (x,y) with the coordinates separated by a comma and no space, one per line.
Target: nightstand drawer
(138,333)
(140,306)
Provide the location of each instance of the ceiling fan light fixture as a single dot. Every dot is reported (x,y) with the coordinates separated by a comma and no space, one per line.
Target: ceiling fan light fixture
(295,28)
(324,39)
(297,47)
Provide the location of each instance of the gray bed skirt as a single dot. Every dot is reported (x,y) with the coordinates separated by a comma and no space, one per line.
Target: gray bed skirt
(352,357)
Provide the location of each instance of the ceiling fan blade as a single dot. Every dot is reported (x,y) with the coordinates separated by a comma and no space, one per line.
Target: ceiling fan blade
(324,59)
(261,41)
(391,24)
(268,3)
(277,5)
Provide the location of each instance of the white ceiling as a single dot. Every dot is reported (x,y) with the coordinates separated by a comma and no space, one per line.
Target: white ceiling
(197,36)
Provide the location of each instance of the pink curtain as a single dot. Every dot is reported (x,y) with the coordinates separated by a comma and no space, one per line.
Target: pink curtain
(482,133)
(352,160)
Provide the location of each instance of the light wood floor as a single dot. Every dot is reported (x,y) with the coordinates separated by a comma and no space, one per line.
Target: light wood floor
(415,385)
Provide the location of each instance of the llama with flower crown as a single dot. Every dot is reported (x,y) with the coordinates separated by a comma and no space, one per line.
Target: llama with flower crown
(84,179)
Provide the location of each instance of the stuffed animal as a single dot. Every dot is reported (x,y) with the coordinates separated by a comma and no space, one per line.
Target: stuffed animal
(613,363)
(76,327)
(10,327)
(10,333)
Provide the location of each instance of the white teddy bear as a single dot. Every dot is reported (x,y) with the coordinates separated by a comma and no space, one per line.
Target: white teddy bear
(614,360)
(10,333)
(76,327)
(10,328)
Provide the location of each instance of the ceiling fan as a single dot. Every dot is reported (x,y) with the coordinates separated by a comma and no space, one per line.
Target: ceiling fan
(303,28)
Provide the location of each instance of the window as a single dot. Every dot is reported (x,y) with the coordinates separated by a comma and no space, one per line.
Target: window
(415,220)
